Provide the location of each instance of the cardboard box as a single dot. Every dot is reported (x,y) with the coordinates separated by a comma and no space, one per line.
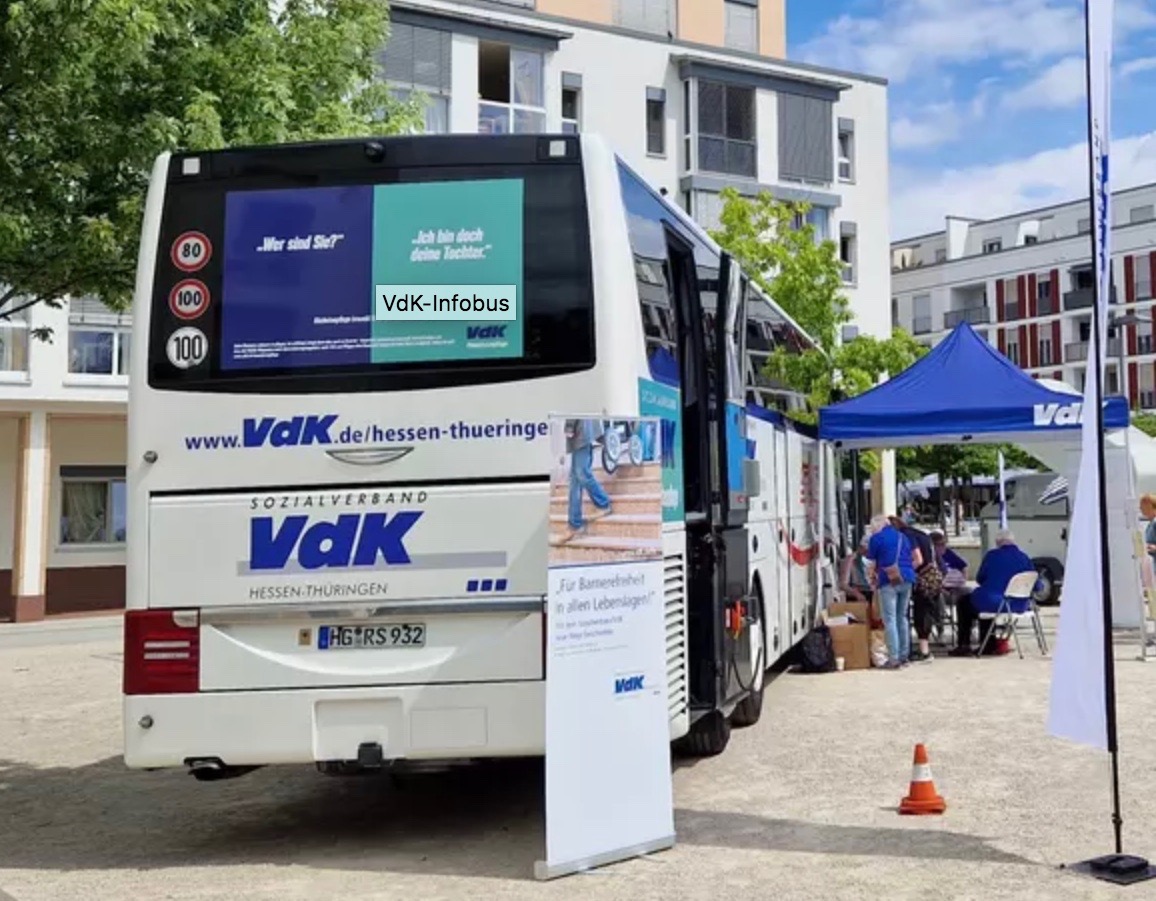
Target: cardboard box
(852,641)
(858,609)
(853,644)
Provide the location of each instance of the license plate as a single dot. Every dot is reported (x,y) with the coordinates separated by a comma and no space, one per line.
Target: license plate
(392,635)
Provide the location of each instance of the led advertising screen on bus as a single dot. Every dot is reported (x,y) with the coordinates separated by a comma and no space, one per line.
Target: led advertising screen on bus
(372,274)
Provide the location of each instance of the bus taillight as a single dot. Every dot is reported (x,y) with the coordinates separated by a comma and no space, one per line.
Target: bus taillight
(162,652)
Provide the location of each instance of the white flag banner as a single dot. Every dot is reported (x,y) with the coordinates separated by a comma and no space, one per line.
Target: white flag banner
(1002,494)
(1078,708)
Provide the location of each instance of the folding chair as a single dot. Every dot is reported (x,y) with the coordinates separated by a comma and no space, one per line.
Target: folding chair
(1005,619)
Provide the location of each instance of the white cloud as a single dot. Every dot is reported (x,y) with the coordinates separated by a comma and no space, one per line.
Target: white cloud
(921,200)
(936,125)
(1136,66)
(1060,85)
(912,37)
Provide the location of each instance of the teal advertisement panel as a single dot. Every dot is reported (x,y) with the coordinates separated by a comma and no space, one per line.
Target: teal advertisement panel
(662,401)
(447,271)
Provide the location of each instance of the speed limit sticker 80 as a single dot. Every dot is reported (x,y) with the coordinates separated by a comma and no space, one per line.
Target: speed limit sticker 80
(191,251)
(189,298)
(187,347)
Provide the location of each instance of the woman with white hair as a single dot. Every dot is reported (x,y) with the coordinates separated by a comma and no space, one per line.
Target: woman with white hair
(891,552)
(999,565)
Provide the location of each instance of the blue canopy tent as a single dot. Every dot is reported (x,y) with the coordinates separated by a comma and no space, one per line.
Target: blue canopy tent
(963,390)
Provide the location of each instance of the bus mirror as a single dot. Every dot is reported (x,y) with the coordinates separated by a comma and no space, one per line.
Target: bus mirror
(752,478)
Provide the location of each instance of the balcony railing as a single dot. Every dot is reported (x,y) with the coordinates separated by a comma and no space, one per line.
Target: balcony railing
(1078,351)
(1082,298)
(1011,311)
(921,325)
(974,315)
(1046,306)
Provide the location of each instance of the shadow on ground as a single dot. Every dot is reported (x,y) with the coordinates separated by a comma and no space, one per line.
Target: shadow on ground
(479,821)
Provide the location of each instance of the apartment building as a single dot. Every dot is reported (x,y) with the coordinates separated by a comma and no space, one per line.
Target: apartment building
(695,95)
(1026,282)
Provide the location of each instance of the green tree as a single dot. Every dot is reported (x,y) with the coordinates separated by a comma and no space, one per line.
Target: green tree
(91,91)
(776,247)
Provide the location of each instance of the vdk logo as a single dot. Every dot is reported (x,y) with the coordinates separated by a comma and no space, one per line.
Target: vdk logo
(485,331)
(295,432)
(354,539)
(1058,414)
(627,684)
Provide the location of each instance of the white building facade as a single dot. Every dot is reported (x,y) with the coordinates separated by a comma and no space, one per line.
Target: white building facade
(692,93)
(1025,282)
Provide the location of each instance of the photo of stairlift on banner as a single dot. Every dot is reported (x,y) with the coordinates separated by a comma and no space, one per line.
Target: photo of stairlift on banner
(608,785)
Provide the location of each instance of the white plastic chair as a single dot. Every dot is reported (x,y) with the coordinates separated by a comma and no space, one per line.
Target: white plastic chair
(1018,589)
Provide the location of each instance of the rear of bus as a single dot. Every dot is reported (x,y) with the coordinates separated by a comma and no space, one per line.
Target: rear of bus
(338,527)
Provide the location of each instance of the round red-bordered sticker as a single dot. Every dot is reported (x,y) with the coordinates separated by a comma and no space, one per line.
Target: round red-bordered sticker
(191,251)
(189,299)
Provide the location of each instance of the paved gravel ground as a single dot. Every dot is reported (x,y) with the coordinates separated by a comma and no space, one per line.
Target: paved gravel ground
(800,806)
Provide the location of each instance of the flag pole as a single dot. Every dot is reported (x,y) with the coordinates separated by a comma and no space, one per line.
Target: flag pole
(1097,359)
(1118,868)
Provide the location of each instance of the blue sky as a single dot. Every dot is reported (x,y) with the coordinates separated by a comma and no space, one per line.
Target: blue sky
(987,97)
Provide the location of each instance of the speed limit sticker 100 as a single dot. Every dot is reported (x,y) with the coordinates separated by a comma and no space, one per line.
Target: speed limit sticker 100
(187,347)
(189,299)
(191,251)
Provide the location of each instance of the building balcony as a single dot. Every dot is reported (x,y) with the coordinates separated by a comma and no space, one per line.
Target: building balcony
(1083,298)
(1078,351)
(973,315)
(1045,306)
(921,325)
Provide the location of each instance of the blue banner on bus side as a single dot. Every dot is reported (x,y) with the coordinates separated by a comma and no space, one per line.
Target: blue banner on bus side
(736,446)
(662,401)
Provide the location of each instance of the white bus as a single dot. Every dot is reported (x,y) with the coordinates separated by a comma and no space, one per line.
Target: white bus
(338,543)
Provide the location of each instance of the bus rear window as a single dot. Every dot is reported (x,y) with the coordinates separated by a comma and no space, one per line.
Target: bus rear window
(424,275)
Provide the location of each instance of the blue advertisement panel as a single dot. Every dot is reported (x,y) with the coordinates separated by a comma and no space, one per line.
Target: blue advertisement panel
(295,278)
(662,401)
(399,273)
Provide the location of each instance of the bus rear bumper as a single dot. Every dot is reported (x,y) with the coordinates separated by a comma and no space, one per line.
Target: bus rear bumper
(303,726)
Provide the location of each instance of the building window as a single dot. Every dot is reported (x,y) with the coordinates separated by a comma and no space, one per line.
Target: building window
(1142,213)
(742,25)
(1142,278)
(571,109)
(651,16)
(995,245)
(417,62)
(510,87)
(1030,239)
(98,339)
(806,139)
(1011,299)
(848,251)
(93,506)
(1144,337)
(1046,352)
(726,129)
(14,342)
(656,121)
(941,255)
(1013,352)
(1045,303)
(1083,226)
(847,150)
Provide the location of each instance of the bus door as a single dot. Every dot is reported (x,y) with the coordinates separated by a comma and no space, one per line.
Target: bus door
(737,478)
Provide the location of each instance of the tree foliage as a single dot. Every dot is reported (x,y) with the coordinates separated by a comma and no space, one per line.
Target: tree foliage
(777,248)
(91,91)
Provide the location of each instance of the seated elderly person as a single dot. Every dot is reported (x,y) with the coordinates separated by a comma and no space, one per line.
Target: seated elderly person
(999,565)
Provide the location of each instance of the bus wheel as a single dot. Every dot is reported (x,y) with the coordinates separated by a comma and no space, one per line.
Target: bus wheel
(708,736)
(749,710)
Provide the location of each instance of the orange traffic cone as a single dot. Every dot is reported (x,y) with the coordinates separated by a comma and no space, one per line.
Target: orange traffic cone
(922,798)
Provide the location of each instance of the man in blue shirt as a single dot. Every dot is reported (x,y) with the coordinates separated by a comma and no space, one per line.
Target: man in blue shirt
(1000,564)
(891,552)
